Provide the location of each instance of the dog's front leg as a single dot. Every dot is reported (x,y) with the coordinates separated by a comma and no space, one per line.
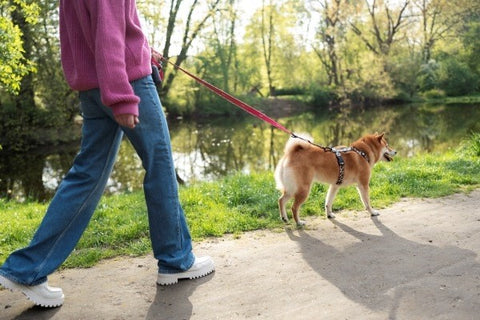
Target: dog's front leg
(363,191)
(332,192)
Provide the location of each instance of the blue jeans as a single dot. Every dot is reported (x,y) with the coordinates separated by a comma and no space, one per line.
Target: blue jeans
(79,193)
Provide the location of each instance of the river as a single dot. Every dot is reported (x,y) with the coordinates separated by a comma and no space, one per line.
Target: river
(211,149)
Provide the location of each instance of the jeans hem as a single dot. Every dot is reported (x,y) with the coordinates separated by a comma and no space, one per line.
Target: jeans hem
(18,281)
(173,271)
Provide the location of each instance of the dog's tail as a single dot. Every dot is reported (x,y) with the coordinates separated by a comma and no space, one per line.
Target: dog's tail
(292,145)
(278,175)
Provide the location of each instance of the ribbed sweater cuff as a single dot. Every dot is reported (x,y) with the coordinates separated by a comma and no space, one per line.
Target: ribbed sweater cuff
(125,108)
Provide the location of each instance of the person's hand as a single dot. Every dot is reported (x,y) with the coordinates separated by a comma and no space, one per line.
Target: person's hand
(127,120)
(157,56)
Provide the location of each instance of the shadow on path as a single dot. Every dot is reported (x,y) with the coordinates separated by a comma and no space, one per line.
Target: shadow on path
(173,302)
(37,313)
(404,272)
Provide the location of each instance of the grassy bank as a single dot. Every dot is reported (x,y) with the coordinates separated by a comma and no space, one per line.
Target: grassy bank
(240,203)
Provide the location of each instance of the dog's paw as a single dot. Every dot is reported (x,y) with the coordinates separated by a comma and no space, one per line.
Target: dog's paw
(330,216)
(301,224)
(285,219)
(374,213)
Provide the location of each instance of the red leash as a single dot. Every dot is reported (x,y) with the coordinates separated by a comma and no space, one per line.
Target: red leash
(233,100)
(265,118)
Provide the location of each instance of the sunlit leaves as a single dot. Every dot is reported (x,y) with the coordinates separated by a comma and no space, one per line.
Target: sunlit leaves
(13,65)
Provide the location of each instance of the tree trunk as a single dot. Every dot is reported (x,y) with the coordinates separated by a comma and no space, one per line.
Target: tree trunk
(188,36)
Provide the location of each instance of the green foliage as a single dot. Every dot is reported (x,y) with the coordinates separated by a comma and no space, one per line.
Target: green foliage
(456,78)
(30,9)
(471,43)
(427,78)
(449,75)
(322,97)
(13,66)
(14,135)
(403,69)
(327,57)
(45,105)
(434,94)
(472,145)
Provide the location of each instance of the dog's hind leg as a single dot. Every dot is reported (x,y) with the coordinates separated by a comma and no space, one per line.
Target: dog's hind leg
(332,192)
(363,191)
(300,197)
(282,202)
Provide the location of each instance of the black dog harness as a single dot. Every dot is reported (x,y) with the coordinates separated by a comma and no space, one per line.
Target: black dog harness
(341,162)
(338,154)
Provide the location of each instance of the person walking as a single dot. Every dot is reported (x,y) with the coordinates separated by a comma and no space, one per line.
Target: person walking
(106,57)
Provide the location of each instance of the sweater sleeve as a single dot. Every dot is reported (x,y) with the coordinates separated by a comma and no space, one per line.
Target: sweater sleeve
(108,18)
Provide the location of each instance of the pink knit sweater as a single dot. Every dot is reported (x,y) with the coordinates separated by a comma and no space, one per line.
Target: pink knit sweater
(103,46)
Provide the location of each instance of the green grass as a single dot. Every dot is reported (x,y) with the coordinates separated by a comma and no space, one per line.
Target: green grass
(240,203)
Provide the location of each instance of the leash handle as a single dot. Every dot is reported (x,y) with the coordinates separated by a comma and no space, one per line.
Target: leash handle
(235,101)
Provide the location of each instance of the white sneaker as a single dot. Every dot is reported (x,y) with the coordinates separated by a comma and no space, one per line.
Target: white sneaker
(200,268)
(41,294)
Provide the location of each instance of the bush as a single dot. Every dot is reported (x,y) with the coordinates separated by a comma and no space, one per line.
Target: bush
(456,78)
(427,78)
(289,91)
(473,144)
(434,94)
(322,97)
(400,97)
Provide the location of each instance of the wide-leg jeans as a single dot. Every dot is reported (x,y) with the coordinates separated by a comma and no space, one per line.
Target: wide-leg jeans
(81,189)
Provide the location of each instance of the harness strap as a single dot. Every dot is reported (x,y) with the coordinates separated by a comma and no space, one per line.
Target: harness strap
(341,162)
(362,153)
(341,167)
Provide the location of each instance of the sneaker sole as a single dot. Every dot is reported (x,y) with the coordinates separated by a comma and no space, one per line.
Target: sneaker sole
(32,296)
(166,279)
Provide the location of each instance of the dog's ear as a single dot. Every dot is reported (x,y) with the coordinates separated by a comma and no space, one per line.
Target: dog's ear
(380,136)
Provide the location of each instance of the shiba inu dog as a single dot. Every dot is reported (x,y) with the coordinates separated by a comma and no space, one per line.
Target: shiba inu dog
(304,163)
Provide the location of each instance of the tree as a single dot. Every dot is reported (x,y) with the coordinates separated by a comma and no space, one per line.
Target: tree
(383,28)
(331,31)
(267,34)
(53,95)
(224,42)
(43,100)
(20,114)
(15,41)
(269,37)
(192,29)
(471,42)
(438,18)
(154,21)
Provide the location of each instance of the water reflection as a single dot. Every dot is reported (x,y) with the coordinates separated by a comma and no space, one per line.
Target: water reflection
(208,150)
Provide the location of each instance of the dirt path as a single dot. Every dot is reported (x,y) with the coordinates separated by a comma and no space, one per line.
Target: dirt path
(418,260)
